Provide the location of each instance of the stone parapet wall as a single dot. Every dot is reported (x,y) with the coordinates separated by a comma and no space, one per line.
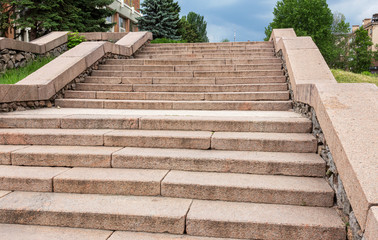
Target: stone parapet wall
(10,59)
(345,124)
(49,80)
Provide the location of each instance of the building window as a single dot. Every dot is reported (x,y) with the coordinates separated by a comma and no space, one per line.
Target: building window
(109,19)
(122,24)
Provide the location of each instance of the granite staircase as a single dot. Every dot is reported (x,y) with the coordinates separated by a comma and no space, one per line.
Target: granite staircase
(185,141)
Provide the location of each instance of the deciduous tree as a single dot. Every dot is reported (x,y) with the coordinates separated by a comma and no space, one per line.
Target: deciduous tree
(361,54)
(199,24)
(308,18)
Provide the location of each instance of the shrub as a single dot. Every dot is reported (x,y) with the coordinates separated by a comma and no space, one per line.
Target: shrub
(74,39)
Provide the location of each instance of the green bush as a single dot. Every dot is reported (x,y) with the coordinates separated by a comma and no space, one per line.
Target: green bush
(165,40)
(366,73)
(74,39)
(12,76)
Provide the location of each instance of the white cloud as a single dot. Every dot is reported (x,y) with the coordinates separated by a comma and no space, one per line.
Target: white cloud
(217,33)
(355,10)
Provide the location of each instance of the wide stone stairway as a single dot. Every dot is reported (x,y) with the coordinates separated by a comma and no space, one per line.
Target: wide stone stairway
(184,141)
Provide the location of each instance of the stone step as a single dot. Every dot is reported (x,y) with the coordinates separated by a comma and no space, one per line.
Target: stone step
(123,235)
(264,142)
(240,48)
(184,80)
(179,96)
(182,88)
(205,56)
(33,232)
(113,181)
(180,184)
(176,105)
(247,188)
(205,51)
(37,179)
(290,164)
(192,123)
(107,212)
(180,68)
(252,73)
(247,44)
(63,156)
(263,221)
(180,62)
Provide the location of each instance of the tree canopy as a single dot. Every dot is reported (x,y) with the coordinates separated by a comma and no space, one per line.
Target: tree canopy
(308,18)
(361,55)
(161,17)
(199,24)
(43,16)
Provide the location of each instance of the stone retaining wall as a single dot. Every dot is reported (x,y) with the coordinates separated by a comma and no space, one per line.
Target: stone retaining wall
(10,59)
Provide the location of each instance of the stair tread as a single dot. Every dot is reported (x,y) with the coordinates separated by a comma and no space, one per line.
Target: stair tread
(246,220)
(30,232)
(122,235)
(108,212)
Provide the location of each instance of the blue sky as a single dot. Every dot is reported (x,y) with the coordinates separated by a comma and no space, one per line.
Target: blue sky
(248,18)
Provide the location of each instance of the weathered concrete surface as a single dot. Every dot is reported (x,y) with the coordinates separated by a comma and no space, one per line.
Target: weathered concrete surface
(19,232)
(51,40)
(135,40)
(3,193)
(5,153)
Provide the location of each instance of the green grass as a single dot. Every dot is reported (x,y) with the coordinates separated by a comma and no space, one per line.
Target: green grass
(349,77)
(13,76)
(165,40)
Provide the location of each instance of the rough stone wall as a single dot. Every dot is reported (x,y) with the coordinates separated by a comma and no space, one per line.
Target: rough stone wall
(10,59)
(342,203)
(22,106)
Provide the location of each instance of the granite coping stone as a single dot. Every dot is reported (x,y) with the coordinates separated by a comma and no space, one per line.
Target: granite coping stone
(371,231)
(347,114)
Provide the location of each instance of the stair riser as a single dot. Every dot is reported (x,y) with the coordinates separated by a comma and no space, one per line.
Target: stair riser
(232,106)
(67,184)
(183,80)
(181,88)
(145,123)
(188,74)
(280,96)
(202,62)
(206,51)
(190,68)
(205,45)
(213,48)
(204,56)
(126,139)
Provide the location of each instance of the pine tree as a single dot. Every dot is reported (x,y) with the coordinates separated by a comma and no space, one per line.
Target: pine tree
(92,15)
(199,24)
(161,17)
(361,55)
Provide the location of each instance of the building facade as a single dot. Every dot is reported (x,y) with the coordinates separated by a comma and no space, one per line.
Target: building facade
(371,25)
(127,12)
(125,17)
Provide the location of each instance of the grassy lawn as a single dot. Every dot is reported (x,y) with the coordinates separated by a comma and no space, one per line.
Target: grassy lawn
(348,77)
(13,76)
